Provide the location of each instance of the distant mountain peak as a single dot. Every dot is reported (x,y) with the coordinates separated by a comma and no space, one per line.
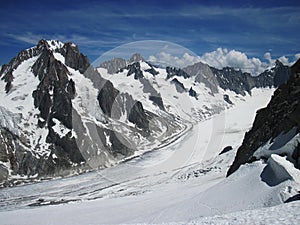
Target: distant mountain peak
(115,64)
(136,57)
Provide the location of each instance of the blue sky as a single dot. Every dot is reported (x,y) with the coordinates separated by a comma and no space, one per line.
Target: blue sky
(251,27)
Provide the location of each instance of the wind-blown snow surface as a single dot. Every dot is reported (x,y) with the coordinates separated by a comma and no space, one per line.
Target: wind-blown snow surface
(179,183)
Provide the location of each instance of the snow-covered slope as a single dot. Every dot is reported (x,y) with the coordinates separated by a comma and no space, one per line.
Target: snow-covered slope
(59,116)
(163,129)
(194,93)
(176,92)
(177,184)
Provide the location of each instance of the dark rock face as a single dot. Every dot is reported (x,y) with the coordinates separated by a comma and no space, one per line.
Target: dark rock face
(53,98)
(53,76)
(179,86)
(240,83)
(172,71)
(229,78)
(106,97)
(294,198)
(137,116)
(114,104)
(226,149)
(117,146)
(157,100)
(281,115)
(192,93)
(73,58)
(7,149)
(152,71)
(135,69)
(135,58)
(282,73)
(7,69)
(227,99)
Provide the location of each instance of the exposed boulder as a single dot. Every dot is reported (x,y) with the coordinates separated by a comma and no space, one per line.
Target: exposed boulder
(193,93)
(227,99)
(226,149)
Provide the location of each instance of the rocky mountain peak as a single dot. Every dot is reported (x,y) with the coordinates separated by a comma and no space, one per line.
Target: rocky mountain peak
(136,57)
(116,64)
(278,63)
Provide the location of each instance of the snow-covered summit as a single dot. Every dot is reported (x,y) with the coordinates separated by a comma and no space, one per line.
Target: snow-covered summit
(55,44)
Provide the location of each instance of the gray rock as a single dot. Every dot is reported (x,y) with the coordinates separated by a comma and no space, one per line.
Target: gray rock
(203,74)
(114,65)
(179,86)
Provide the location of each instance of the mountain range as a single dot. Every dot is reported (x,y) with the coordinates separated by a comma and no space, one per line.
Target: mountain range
(173,145)
(60,116)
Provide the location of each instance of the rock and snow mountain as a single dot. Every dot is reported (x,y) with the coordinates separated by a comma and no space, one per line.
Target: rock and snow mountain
(54,105)
(276,127)
(195,92)
(176,190)
(59,116)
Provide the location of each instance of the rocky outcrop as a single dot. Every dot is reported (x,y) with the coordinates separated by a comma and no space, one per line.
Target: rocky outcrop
(138,116)
(135,68)
(179,86)
(281,73)
(280,116)
(73,58)
(115,104)
(235,80)
(172,71)
(193,93)
(106,98)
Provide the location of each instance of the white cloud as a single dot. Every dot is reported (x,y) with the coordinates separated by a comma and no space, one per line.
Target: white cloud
(268,57)
(167,59)
(223,57)
(220,58)
(284,60)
